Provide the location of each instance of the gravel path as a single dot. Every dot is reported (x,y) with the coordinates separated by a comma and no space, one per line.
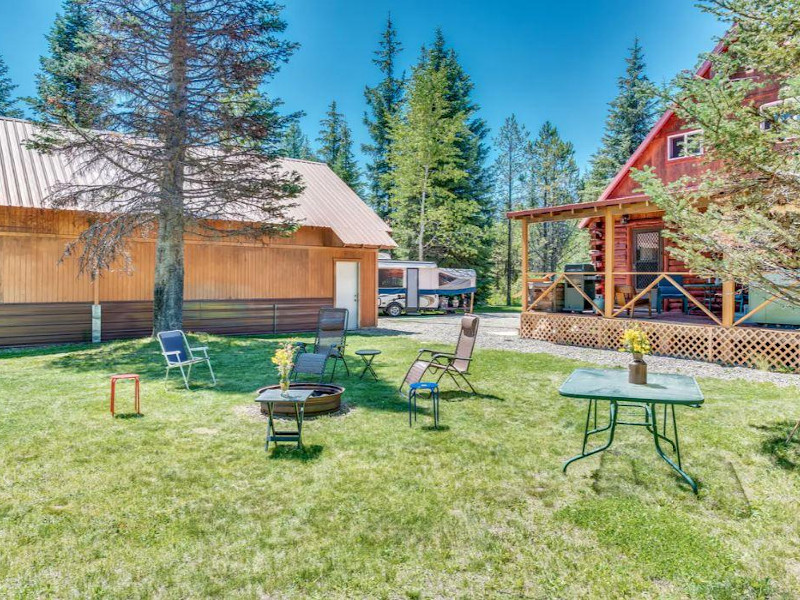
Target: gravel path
(501,332)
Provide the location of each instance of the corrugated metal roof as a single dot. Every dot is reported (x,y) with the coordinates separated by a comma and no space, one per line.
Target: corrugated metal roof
(27,176)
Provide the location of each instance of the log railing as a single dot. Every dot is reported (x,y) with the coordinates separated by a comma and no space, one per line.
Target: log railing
(611,310)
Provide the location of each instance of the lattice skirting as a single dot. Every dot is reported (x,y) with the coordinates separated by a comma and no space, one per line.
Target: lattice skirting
(739,346)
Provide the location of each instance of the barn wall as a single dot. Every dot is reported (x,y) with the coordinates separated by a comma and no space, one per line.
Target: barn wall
(231,287)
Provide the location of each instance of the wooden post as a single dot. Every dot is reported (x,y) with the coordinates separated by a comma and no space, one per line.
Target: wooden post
(728,302)
(608,264)
(524,265)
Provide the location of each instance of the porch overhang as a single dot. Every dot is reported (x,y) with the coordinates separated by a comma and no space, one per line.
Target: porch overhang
(631,205)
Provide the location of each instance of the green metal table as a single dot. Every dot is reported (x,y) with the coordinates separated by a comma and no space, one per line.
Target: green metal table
(298,399)
(612,385)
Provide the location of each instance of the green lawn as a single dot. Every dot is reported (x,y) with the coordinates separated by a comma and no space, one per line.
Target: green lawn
(184,503)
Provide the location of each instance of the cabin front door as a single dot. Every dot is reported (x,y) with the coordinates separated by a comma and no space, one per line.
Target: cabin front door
(347,287)
(646,256)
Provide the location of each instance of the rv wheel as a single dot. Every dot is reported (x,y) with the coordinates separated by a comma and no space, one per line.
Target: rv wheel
(393,310)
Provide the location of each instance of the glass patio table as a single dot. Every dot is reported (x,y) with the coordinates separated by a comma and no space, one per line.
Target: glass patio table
(612,385)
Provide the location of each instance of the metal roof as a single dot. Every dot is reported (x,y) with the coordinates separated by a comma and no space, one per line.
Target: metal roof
(27,176)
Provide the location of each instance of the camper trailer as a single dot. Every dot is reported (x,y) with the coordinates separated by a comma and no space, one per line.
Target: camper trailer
(412,286)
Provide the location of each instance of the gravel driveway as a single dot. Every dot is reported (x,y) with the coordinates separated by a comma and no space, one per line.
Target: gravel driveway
(501,332)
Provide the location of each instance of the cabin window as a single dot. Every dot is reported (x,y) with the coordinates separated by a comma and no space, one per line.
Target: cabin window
(684,145)
(390,278)
(646,256)
(783,113)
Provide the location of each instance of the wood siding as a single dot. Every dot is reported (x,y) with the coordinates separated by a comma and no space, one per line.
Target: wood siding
(248,276)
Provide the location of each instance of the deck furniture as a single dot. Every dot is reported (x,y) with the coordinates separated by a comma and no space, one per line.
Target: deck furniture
(178,354)
(413,392)
(368,356)
(297,398)
(455,364)
(122,377)
(624,293)
(665,290)
(612,385)
(328,345)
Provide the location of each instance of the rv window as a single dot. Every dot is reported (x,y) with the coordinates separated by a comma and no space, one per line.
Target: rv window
(444,278)
(390,278)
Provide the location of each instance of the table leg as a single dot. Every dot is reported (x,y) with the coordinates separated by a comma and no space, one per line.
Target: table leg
(669,461)
(270,426)
(368,367)
(299,413)
(611,427)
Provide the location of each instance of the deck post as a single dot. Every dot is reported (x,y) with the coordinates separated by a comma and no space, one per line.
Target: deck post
(524,265)
(608,264)
(728,302)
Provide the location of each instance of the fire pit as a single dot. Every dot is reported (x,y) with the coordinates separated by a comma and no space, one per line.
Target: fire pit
(326,399)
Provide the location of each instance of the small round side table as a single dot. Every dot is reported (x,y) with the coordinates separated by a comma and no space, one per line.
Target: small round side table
(368,356)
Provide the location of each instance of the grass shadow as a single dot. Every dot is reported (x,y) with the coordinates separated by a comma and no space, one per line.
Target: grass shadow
(129,416)
(785,455)
(292,452)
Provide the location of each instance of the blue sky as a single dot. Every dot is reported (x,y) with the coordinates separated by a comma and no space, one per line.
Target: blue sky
(555,60)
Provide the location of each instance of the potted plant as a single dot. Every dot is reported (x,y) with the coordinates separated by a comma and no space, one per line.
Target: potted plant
(284,360)
(635,341)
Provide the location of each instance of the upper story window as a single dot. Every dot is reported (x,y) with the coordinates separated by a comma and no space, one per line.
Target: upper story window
(686,144)
(781,113)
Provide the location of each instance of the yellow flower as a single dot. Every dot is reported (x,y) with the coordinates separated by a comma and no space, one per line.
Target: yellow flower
(635,340)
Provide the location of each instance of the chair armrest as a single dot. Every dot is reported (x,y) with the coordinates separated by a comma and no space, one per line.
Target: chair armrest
(167,355)
(449,357)
(199,349)
(429,351)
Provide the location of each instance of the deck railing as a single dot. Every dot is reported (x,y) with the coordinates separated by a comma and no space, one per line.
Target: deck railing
(612,310)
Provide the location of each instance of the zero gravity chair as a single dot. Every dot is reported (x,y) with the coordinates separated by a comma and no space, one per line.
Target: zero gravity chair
(455,364)
(329,345)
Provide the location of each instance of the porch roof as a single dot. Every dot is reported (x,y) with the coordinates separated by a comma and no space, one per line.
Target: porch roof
(630,205)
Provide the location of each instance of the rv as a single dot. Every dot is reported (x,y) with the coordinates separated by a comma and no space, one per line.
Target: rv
(411,286)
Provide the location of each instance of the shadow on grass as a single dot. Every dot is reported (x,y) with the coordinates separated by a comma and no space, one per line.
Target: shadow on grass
(129,416)
(785,455)
(292,452)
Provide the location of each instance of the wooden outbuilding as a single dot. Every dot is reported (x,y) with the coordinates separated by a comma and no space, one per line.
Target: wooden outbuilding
(232,286)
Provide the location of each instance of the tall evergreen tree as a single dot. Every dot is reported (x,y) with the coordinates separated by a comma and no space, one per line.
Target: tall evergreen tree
(473,153)
(184,76)
(63,82)
(509,176)
(424,162)
(552,180)
(8,102)
(295,144)
(336,147)
(630,116)
(383,101)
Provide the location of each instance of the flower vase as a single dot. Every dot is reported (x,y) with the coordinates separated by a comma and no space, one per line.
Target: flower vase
(637,370)
(284,386)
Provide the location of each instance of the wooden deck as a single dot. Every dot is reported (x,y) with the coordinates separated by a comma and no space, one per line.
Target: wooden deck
(672,334)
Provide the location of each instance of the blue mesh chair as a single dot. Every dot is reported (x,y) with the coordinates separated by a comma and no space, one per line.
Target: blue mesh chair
(177,352)
(666,290)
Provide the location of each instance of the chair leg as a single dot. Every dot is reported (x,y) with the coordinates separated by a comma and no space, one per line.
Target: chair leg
(464,377)
(166,377)
(346,368)
(210,370)
(794,430)
(186,375)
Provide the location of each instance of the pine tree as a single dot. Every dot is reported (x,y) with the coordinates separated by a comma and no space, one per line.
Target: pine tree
(552,180)
(737,215)
(65,71)
(212,59)
(630,116)
(295,144)
(424,162)
(336,147)
(383,101)
(476,188)
(7,101)
(509,175)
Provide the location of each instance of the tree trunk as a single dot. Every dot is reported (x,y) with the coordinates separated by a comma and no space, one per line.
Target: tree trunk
(421,240)
(169,268)
(508,224)
(168,283)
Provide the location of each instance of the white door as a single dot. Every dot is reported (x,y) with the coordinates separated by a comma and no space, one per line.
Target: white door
(347,290)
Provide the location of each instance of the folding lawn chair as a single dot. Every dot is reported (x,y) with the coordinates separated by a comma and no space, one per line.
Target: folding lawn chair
(328,345)
(455,364)
(177,352)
